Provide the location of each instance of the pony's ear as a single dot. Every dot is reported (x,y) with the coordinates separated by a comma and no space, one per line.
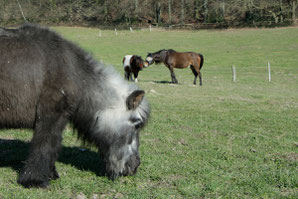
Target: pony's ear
(134,99)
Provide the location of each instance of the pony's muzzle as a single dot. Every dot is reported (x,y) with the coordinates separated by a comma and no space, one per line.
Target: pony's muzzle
(146,64)
(131,166)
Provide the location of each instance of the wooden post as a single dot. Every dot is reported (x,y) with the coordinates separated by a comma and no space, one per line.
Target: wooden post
(234,73)
(269,72)
(116,33)
(150,28)
(99,33)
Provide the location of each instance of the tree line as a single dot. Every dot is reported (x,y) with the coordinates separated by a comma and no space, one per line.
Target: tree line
(168,13)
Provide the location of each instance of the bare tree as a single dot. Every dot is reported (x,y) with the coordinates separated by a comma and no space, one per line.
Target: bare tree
(182,12)
(170,11)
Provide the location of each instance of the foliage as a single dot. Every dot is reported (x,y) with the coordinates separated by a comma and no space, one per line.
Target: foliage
(197,13)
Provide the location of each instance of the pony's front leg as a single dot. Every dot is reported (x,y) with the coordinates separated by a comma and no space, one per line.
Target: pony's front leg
(130,76)
(40,165)
(136,76)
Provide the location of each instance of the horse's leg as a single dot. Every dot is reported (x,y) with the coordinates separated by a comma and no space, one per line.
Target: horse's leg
(173,76)
(45,145)
(200,76)
(195,74)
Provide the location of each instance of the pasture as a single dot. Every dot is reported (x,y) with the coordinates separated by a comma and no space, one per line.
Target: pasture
(224,139)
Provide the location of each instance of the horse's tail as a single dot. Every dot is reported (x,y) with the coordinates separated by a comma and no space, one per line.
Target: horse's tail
(202,60)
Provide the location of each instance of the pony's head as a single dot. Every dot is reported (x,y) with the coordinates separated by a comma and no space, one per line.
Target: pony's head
(137,61)
(121,114)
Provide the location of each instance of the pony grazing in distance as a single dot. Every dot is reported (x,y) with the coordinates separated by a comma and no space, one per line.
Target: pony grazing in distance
(173,59)
(46,82)
(132,64)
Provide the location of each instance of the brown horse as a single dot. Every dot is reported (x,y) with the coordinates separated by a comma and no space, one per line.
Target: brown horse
(173,59)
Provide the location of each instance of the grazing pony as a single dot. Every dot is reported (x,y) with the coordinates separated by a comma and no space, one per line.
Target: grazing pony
(46,82)
(173,59)
(132,64)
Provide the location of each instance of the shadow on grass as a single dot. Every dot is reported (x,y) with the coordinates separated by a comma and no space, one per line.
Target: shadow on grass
(164,82)
(13,153)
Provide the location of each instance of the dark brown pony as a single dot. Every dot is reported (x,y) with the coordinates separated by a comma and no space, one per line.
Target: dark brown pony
(173,59)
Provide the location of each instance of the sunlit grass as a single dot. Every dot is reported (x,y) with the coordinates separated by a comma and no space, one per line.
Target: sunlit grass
(221,140)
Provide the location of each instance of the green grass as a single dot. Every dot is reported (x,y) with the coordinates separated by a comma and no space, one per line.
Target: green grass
(221,140)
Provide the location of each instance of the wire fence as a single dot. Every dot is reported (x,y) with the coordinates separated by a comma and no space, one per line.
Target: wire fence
(268,73)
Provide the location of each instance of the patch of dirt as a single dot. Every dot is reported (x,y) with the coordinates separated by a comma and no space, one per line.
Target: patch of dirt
(290,156)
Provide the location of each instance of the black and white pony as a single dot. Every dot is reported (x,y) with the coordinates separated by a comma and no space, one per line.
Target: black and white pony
(46,82)
(132,64)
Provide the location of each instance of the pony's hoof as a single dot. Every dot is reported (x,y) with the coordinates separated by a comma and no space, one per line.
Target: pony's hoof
(54,175)
(33,183)
(29,179)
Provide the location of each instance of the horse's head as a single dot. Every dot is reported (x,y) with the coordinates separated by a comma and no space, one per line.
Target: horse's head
(149,60)
(156,57)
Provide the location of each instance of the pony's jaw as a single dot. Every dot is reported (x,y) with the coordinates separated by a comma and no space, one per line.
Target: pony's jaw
(124,161)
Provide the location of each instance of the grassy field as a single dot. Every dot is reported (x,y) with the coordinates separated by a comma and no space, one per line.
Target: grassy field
(221,140)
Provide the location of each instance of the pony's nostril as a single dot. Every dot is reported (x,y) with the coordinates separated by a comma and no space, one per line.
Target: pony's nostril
(137,122)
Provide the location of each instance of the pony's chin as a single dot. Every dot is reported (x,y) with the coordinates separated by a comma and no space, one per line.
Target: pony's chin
(129,168)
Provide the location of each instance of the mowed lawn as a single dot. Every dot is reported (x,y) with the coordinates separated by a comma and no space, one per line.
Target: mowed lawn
(224,139)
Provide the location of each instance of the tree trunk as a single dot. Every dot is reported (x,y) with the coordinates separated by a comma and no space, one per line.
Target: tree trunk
(223,8)
(294,12)
(105,10)
(182,11)
(206,10)
(158,13)
(136,5)
(196,9)
(170,11)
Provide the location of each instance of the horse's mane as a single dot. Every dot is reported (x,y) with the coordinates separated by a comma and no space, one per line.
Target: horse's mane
(171,50)
(157,52)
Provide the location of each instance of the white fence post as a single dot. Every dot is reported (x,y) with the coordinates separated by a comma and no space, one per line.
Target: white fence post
(116,33)
(150,28)
(131,29)
(234,73)
(269,72)
(99,33)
